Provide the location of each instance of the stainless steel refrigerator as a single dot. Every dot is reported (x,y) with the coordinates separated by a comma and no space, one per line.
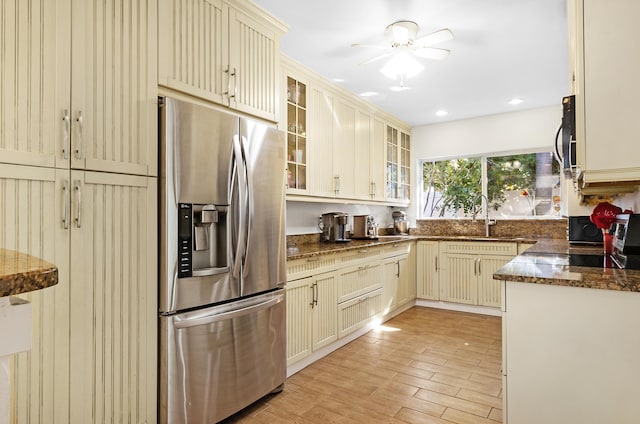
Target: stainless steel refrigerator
(222,262)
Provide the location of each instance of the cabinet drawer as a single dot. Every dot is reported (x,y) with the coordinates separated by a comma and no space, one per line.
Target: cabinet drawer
(357,280)
(356,313)
(396,249)
(301,268)
(481,248)
(363,254)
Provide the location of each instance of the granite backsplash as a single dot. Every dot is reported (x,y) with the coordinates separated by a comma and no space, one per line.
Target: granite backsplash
(530,228)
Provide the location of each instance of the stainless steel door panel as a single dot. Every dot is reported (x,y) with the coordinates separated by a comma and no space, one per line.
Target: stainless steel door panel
(196,152)
(191,292)
(264,260)
(218,360)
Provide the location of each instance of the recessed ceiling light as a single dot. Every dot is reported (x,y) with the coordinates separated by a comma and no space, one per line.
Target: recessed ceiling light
(515,101)
(369,94)
(398,88)
(442,113)
(337,79)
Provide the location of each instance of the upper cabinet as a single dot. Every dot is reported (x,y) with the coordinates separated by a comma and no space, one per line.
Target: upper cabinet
(341,151)
(223,52)
(607,62)
(398,165)
(93,109)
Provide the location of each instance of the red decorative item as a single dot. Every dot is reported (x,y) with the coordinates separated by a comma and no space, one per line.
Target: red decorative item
(603,216)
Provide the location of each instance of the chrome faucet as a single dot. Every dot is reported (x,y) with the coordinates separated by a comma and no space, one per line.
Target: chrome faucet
(487,222)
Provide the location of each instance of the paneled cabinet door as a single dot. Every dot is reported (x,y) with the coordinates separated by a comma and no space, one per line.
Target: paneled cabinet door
(113,311)
(35,82)
(459,280)
(325,310)
(33,202)
(253,65)
(344,148)
(390,281)
(377,165)
(406,281)
(112,120)
(193,48)
(428,270)
(299,298)
(489,290)
(362,161)
(321,169)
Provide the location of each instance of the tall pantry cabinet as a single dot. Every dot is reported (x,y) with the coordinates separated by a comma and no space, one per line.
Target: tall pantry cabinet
(78,187)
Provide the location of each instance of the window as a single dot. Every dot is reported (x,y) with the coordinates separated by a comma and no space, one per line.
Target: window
(516,185)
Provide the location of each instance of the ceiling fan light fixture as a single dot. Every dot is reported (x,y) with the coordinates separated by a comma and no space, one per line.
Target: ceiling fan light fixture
(401,65)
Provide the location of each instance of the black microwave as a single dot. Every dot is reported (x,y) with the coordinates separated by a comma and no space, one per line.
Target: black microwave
(566,135)
(582,231)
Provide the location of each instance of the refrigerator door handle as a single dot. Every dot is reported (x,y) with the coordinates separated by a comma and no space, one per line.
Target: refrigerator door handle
(238,186)
(212,317)
(249,206)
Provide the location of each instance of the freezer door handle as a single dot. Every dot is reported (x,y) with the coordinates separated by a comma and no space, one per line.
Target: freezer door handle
(212,317)
(249,205)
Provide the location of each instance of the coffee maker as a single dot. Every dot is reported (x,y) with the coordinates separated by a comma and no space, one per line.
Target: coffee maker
(334,226)
(364,227)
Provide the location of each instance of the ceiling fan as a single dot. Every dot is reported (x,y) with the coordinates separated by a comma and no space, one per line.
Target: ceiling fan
(402,37)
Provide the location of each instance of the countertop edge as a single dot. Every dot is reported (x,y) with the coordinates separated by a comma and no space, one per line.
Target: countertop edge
(22,273)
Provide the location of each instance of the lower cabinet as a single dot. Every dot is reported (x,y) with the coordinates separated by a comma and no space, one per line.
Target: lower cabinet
(462,272)
(467,271)
(311,315)
(427,270)
(331,296)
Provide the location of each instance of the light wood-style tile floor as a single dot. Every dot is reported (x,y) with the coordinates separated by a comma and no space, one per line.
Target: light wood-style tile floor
(425,366)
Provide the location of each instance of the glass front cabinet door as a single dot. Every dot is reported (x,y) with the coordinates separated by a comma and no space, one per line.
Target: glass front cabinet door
(296,135)
(398,164)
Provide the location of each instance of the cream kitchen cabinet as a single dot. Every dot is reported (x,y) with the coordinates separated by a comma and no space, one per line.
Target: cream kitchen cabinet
(359,295)
(369,157)
(399,283)
(398,165)
(607,90)
(312,305)
(93,109)
(345,142)
(428,270)
(100,231)
(226,52)
(467,268)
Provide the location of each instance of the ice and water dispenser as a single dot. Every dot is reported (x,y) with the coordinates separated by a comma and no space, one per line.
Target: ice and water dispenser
(202,240)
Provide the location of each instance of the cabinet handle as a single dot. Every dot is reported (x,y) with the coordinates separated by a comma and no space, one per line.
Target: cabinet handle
(436,263)
(80,142)
(479,267)
(65,133)
(363,251)
(336,184)
(235,84)
(314,295)
(373,189)
(398,265)
(316,259)
(77,186)
(475,267)
(364,267)
(65,205)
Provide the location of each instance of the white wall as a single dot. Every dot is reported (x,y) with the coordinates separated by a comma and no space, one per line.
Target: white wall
(302,217)
(527,129)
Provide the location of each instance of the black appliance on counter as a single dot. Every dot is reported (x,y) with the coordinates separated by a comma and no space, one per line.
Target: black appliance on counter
(626,240)
(583,231)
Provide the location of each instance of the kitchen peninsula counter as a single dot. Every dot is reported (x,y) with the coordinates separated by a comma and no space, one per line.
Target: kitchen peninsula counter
(20,273)
(550,262)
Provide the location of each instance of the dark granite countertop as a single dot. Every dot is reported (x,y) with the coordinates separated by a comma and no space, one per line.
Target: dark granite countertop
(548,262)
(307,250)
(20,273)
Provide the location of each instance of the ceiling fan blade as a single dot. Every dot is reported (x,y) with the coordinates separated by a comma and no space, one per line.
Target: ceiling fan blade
(376,58)
(431,53)
(373,46)
(433,38)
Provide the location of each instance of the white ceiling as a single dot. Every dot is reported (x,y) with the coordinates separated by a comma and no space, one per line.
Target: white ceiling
(501,49)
